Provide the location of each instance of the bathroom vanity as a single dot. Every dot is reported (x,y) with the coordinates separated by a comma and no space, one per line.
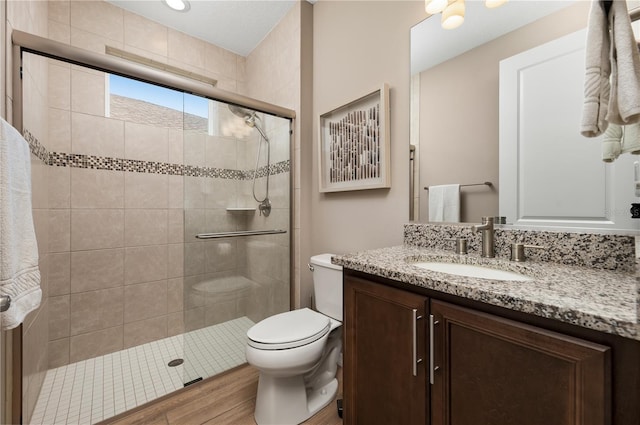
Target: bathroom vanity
(425,347)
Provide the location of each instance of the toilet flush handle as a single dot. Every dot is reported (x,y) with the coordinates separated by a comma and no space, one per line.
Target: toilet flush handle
(310,267)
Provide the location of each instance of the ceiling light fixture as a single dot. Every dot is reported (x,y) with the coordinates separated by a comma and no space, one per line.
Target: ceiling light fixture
(491,4)
(178,5)
(453,15)
(435,6)
(453,10)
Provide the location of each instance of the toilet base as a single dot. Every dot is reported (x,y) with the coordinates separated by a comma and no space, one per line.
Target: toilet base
(291,403)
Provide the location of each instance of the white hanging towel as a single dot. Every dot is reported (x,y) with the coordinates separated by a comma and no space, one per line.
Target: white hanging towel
(19,273)
(597,87)
(612,76)
(444,203)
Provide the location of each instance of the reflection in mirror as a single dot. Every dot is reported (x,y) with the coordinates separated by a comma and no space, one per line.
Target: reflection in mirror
(455,99)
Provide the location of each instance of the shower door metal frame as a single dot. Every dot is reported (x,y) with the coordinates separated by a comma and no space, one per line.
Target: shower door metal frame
(25,42)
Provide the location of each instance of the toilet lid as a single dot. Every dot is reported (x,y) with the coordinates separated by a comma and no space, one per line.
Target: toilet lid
(289,329)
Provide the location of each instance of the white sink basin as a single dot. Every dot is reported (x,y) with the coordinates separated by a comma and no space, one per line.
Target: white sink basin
(471,270)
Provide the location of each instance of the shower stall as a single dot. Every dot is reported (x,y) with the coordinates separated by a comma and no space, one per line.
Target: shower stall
(169,228)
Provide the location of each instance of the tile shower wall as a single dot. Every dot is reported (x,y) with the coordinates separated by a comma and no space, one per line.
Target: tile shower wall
(32,17)
(117,249)
(219,283)
(274,73)
(266,258)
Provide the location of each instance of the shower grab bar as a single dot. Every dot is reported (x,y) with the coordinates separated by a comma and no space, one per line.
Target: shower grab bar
(238,233)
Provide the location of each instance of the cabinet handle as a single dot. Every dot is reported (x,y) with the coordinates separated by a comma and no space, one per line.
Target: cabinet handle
(415,359)
(432,367)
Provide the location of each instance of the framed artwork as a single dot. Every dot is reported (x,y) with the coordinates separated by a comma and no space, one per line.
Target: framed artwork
(354,144)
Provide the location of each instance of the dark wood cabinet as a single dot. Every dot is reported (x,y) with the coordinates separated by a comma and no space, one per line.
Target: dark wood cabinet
(384,355)
(487,369)
(492,370)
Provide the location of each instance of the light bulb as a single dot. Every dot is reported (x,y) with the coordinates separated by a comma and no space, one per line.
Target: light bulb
(435,6)
(453,15)
(178,5)
(494,3)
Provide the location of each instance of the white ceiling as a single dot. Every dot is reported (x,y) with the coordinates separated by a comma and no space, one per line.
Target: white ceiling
(236,25)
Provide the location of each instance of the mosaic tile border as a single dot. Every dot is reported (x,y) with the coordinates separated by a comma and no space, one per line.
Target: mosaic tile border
(36,147)
(60,159)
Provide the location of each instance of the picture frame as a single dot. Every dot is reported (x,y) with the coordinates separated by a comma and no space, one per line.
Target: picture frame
(354,144)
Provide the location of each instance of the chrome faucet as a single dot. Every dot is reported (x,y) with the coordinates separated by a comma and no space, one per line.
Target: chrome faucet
(488,246)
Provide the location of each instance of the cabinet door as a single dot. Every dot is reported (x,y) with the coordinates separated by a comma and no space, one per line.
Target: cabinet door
(384,355)
(491,371)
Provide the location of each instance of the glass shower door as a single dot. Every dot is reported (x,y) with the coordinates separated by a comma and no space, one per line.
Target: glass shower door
(126,175)
(237,230)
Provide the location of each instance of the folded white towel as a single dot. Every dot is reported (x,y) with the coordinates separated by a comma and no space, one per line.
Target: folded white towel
(631,139)
(444,203)
(19,273)
(611,51)
(620,139)
(598,68)
(612,143)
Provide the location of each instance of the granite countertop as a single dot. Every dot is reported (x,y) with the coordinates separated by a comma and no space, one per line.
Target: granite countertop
(606,301)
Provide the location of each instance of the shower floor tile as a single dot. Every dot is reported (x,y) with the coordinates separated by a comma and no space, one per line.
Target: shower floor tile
(95,389)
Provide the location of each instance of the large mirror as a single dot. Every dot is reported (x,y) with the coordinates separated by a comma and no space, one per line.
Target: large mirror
(456,118)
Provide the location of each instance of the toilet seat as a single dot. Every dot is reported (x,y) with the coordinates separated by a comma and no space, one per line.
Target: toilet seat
(289,330)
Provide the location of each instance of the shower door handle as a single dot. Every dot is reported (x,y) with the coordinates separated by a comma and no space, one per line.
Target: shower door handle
(5,303)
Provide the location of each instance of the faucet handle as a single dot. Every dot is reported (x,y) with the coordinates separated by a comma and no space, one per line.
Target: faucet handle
(517,251)
(461,245)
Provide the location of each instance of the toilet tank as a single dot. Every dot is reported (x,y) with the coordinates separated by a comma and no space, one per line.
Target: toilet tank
(327,286)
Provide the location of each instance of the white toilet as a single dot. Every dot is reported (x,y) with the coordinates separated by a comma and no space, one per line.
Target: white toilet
(297,352)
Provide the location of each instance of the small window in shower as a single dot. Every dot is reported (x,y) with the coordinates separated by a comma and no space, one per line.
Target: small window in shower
(144,103)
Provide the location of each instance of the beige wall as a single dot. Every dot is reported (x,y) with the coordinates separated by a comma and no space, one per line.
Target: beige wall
(459,113)
(358,45)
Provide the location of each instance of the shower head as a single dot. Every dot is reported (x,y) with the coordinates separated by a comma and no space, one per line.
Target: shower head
(249,118)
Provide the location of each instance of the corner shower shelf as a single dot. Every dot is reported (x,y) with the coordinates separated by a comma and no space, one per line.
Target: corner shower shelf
(241,209)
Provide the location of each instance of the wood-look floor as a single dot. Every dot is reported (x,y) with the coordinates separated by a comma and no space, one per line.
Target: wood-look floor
(227,399)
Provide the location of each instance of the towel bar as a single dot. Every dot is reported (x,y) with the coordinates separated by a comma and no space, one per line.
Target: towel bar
(470,184)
